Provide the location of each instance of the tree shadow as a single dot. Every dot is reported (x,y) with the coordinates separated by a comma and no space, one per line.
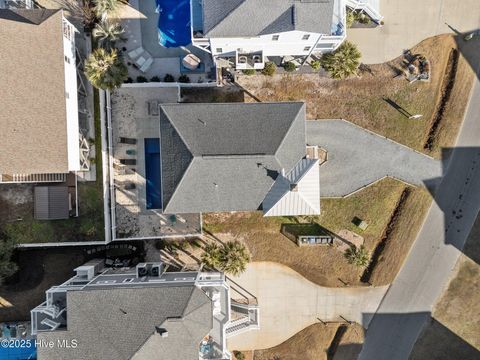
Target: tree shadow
(457,194)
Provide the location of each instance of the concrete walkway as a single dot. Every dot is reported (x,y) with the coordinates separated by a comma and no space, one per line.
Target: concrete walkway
(357,158)
(289,303)
(407,22)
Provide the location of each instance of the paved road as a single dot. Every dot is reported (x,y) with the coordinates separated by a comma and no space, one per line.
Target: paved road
(289,303)
(435,252)
(407,22)
(357,158)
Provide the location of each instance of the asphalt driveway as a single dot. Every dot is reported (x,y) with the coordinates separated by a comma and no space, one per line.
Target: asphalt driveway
(289,303)
(357,158)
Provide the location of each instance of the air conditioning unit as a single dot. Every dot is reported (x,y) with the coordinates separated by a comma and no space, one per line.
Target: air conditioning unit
(149,269)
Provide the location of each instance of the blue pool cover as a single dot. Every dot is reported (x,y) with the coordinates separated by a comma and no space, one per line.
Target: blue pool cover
(174,23)
(152,173)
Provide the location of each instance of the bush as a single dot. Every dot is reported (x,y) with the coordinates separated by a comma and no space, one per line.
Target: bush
(231,258)
(249,71)
(239,355)
(155,79)
(315,64)
(359,257)
(269,69)
(7,266)
(289,66)
(183,79)
(129,80)
(342,62)
(350,17)
(141,79)
(169,78)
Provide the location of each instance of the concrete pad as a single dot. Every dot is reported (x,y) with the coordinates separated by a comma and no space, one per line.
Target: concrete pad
(407,22)
(288,303)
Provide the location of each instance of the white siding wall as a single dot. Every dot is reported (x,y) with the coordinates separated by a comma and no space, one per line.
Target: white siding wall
(71,98)
(288,43)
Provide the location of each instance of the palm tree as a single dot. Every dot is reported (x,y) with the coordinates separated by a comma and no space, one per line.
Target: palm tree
(358,256)
(211,255)
(105,8)
(107,32)
(235,257)
(343,62)
(231,258)
(105,69)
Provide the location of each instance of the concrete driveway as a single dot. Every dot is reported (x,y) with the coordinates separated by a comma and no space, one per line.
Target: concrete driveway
(407,22)
(289,303)
(357,158)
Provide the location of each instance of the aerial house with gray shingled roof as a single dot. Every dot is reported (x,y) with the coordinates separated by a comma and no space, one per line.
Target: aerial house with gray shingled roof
(191,158)
(141,313)
(227,157)
(39,122)
(245,33)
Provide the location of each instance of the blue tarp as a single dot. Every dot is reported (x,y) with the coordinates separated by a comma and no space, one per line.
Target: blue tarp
(174,23)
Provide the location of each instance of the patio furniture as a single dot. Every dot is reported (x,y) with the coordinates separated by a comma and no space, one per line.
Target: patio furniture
(124,140)
(146,65)
(191,62)
(135,53)
(140,61)
(128,161)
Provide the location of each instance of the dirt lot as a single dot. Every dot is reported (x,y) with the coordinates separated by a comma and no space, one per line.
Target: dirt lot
(453,332)
(361,99)
(16,216)
(318,342)
(326,265)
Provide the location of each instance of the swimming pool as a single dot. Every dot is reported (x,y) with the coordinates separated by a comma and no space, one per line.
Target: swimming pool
(152,173)
(19,353)
(174,23)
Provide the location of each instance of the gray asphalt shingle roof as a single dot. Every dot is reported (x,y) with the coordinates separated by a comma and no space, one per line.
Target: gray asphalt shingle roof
(230,18)
(117,323)
(225,157)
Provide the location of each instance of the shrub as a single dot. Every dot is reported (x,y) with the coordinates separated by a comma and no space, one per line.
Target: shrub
(359,257)
(231,258)
(141,79)
(168,78)
(289,66)
(249,71)
(7,266)
(129,80)
(342,62)
(239,355)
(315,64)
(155,79)
(350,18)
(269,69)
(183,78)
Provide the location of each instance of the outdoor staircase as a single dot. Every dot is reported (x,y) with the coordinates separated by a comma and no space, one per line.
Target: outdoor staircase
(370,7)
(33,178)
(238,326)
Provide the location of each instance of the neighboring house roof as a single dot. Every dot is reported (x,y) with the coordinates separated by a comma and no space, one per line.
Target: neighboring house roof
(296,193)
(51,202)
(121,324)
(225,157)
(232,18)
(33,128)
